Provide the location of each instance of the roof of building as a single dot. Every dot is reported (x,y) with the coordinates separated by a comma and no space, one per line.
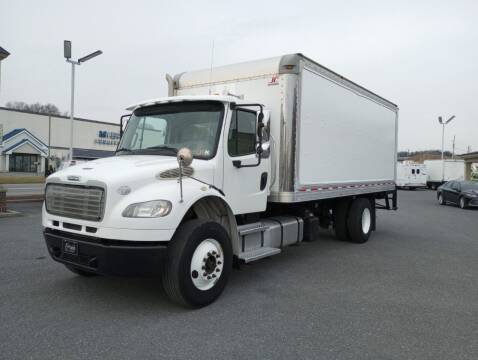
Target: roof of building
(17,131)
(60,116)
(25,141)
(12,133)
(470,155)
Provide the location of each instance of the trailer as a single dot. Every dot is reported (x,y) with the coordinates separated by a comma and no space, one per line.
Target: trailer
(237,163)
(439,172)
(411,175)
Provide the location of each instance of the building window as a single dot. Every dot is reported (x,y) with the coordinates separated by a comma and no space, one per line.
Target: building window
(23,163)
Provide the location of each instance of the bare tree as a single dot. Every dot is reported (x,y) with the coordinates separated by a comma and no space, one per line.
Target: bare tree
(49,109)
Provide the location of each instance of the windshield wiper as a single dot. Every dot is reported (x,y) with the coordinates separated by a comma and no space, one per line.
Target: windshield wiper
(161,147)
(124,149)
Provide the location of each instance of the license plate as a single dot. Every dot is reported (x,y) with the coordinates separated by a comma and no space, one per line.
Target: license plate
(70,247)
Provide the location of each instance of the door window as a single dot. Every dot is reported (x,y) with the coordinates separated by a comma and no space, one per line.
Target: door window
(241,139)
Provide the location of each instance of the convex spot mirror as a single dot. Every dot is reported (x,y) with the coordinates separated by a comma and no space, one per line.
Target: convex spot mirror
(185,156)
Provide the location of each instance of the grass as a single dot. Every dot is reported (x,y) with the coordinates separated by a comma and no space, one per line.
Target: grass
(21,179)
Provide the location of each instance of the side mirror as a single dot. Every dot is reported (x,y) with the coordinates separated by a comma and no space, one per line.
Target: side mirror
(265,146)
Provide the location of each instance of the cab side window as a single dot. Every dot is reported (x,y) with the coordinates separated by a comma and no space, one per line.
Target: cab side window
(241,139)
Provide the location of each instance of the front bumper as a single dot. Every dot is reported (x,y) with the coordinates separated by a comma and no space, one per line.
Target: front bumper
(473,202)
(105,256)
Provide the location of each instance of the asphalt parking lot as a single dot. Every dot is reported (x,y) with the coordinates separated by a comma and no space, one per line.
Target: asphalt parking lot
(411,292)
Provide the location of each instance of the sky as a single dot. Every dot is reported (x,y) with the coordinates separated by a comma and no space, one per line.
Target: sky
(421,55)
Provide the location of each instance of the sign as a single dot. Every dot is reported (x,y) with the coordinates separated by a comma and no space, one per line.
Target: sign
(107,138)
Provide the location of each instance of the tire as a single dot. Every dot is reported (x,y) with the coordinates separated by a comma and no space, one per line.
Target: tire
(359,221)
(434,186)
(188,282)
(440,200)
(80,272)
(341,212)
(462,203)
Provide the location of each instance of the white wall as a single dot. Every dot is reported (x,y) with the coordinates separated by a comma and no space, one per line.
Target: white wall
(84,133)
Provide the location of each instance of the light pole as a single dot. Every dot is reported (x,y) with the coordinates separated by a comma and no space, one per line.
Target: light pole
(67,55)
(443,123)
(3,55)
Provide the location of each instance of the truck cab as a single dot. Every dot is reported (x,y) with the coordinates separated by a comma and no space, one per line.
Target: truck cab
(117,215)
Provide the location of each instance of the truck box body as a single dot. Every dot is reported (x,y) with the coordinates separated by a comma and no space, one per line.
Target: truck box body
(454,170)
(411,175)
(332,137)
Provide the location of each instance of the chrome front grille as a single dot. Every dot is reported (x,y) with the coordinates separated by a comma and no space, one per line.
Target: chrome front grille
(75,201)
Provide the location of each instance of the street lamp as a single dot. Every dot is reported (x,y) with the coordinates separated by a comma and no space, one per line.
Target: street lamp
(443,123)
(3,55)
(67,55)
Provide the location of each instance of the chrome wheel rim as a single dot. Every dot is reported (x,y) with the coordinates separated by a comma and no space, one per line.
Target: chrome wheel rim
(207,264)
(440,199)
(366,220)
(462,203)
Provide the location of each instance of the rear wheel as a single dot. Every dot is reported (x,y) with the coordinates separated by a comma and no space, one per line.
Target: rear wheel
(80,272)
(463,203)
(434,186)
(199,263)
(359,221)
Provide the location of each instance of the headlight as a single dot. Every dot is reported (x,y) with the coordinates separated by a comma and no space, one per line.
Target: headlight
(148,209)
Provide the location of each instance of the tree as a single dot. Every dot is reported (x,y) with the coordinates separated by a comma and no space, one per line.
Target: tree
(49,109)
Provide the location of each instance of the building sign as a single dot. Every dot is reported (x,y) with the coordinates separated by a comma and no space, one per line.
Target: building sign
(107,138)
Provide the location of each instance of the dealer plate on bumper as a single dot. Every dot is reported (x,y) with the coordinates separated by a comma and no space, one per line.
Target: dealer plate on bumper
(70,247)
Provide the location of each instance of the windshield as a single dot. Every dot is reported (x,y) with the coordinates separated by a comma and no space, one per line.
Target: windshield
(469,186)
(163,129)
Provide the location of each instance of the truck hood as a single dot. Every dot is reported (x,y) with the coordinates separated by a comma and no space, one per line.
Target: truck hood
(131,170)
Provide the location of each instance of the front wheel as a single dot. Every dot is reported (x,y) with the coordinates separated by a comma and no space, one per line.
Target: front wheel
(441,201)
(463,203)
(198,264)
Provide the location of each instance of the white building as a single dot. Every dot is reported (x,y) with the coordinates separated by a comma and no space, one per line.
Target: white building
(30,142)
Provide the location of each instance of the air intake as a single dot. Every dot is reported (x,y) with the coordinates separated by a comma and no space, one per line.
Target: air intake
(174,173)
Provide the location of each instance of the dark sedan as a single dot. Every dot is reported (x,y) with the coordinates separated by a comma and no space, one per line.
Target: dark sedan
(461,193)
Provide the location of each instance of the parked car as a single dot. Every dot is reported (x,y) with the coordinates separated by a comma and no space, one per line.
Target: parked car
(461,193)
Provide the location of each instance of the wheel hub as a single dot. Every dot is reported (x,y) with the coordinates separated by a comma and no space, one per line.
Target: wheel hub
(366,220)
(207,264)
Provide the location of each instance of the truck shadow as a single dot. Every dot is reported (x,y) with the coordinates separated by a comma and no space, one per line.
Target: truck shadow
(146,295)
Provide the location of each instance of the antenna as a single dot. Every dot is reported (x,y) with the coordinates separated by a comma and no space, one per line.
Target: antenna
(210,71)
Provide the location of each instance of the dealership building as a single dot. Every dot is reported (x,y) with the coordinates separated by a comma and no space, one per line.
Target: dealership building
(31,142)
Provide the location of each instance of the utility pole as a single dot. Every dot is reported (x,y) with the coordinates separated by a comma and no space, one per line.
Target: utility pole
(67,55)
(443,123)
(453,153)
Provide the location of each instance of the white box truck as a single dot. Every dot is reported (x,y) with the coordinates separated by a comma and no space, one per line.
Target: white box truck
(439,172)
(411,175)
(237,163)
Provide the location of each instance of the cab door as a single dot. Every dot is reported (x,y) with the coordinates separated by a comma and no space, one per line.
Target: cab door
(246,176)
(454,192)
